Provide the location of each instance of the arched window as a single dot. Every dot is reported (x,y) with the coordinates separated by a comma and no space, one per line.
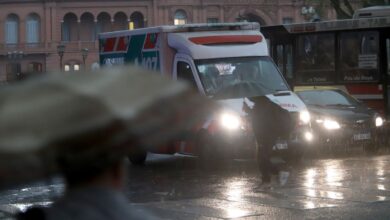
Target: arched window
(120,21)
(136,20)
(103,23)
(251,17)
(32,28)
(87,27)
(12,29)
(69,28)
(180,17)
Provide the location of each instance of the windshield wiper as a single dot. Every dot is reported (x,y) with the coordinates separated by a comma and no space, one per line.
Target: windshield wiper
(316,105)
(280,92)
(339,105)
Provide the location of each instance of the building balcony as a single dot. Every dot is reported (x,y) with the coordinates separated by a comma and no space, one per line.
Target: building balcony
(27,48)
(47,48)
(76,46)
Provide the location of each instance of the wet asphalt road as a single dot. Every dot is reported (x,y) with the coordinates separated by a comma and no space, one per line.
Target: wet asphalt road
(180,187)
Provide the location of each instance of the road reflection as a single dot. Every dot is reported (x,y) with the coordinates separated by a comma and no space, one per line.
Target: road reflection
(334,173)
(310,177)
(235,212)
(238,192)
(234,190)
(331,173)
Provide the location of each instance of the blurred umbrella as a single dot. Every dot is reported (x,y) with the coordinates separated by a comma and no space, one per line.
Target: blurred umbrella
(89,117)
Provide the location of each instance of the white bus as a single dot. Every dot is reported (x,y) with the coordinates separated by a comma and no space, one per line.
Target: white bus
(374,11)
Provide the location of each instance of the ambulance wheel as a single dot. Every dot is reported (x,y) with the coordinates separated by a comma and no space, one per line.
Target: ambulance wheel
(138,157)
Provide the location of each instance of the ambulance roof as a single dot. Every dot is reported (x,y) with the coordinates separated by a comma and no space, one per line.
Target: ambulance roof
(218,44)
(186,28)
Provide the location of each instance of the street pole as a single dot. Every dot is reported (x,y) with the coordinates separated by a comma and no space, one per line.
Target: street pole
(61,51)
(84,54)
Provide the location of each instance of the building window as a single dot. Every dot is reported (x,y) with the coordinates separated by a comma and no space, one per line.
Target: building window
(180,17)
(32,28)
(287,20)
(87,27)
(212,20)
(70,28)
(11,29)
(71,67)
(120,21)
(136,21)
(103,23)
(35,67)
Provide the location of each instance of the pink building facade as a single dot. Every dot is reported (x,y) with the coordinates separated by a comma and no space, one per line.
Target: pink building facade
(32,29)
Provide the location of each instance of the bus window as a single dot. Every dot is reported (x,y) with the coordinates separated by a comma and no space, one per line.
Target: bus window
(359,56)
(388,56)
(388,74)
(279,57)
(316,58)
(289,61)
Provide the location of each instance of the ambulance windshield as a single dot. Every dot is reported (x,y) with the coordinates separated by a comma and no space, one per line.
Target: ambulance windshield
(236,77)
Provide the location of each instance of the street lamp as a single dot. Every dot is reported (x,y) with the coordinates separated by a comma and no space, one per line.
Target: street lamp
(84,53)
(60,51)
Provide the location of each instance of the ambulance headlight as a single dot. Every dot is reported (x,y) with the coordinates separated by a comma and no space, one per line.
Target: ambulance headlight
(304,116)
(378,121)
(331,124)
(230,121)
(308,136)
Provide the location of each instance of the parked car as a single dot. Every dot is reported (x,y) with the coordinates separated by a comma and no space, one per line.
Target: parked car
(339,121)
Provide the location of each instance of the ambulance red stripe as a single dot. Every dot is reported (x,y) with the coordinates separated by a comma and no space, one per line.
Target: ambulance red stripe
(122,44)
(226,39)
(109,44)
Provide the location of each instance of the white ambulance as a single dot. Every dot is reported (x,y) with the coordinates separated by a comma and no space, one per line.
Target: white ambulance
(229,63)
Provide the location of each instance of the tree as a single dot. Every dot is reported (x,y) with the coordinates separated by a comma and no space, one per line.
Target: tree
(345,8)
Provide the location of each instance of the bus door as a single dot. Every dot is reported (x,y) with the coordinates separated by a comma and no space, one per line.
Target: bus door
(283,57)
(387,69)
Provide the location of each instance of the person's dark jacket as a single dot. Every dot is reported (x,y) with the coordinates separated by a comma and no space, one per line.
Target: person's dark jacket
(270,119)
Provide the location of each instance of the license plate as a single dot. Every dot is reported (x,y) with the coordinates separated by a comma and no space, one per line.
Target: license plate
(363,136)
(281,145)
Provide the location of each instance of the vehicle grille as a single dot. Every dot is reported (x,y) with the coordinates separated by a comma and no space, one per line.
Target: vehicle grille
(358,125)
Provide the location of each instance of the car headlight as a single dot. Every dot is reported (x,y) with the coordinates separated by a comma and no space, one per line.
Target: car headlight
(304,116)
(331,124)
(308,136)
(378,121)
(230,121)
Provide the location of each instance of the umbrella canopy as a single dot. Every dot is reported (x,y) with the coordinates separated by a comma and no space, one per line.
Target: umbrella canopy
(87,115)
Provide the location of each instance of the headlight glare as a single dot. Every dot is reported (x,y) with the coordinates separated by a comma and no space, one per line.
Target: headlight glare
(230,121)
(304,116)
(378,121)
(331,124)
(308,136)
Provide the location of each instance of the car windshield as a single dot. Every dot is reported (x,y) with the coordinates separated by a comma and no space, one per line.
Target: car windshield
(327,98)
(240,77)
